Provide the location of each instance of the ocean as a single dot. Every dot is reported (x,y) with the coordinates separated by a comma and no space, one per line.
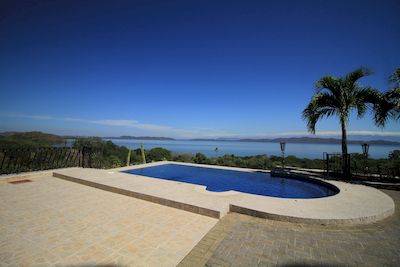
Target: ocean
(311,151)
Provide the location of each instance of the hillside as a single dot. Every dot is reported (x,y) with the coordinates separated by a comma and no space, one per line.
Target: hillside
(29,139)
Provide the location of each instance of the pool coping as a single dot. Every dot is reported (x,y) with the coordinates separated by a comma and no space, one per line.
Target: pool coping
(354,204)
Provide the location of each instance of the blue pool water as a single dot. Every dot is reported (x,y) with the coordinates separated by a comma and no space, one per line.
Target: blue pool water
(258,183)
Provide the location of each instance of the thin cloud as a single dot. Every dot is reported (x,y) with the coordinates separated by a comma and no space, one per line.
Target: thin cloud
(195,132)
(26,116)
(123,123)
(376,133)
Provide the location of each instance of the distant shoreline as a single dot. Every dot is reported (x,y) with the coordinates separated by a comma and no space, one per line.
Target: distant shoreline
(296,140)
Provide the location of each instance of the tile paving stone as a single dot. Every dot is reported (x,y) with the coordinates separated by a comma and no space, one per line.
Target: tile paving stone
(241,240)
(53,222)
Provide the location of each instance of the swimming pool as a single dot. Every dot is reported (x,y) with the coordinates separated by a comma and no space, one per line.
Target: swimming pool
(220,180)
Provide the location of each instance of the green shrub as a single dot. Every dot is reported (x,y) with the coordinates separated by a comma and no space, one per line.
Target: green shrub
(201,159)
(158,154)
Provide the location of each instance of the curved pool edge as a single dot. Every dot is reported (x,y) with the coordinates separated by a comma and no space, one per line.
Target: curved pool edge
(228,180)
(304,220)
(354,204)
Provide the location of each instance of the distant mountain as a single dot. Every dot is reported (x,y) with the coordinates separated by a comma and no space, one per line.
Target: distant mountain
(141,138)
(316,140)
(214,139)
(302,140)
(29,139)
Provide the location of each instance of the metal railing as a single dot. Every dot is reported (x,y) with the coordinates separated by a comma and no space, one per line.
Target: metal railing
(334,164)
(360,167)
(17,160)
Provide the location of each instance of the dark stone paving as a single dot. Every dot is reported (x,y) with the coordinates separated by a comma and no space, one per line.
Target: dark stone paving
(240,240)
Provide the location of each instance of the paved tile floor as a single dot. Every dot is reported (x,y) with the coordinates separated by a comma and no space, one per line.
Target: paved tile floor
(240,240)
(52,222)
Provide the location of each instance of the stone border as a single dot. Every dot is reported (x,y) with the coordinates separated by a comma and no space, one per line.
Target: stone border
(354,204)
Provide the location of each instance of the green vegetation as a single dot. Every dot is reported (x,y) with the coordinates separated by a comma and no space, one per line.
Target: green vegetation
(252,162)
(29,140)
(158,153)
(109,155)
(106,153)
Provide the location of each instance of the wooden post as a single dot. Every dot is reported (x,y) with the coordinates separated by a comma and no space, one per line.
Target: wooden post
(128,159)
(143,154)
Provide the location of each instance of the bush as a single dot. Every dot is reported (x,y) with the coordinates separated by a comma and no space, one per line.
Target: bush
(157,154)
(201,159)
(183,158)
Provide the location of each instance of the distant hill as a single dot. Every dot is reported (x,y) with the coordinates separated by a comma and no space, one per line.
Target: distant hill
(301,140)
(213,139)
(29,139)
(141,137)
(316,140)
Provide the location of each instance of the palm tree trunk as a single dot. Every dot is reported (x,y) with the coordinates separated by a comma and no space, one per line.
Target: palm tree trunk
(345,167)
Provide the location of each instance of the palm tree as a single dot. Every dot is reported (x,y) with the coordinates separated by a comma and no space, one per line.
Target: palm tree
(339,96)
(388,106)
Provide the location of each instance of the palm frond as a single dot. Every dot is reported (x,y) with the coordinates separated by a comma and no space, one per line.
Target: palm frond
(381,113)
(388,107)
(321,105)
(393,98)
(357,74)
(330,84)
(364,97)
(395,77)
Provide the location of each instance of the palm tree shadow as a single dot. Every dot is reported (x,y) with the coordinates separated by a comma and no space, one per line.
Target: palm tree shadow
(97,265)
(294,264)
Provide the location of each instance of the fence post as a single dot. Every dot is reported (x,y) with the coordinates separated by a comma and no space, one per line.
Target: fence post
(128,159)
(82,152)
(348,171)
(143,154)
(327,164)
(90,157)
(4,157)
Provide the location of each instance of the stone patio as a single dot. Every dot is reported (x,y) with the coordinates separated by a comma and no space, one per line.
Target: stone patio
(52,222)
(240,240)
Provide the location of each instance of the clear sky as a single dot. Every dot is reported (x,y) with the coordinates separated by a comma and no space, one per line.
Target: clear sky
(186,68)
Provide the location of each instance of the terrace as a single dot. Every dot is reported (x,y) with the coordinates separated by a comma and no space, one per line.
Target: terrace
(94,217)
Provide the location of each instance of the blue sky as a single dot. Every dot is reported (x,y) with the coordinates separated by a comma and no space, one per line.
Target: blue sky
(187,68)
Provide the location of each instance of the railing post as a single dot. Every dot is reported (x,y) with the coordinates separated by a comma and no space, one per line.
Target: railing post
(327,164)
(90,157)
(4,157)
(83,157)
